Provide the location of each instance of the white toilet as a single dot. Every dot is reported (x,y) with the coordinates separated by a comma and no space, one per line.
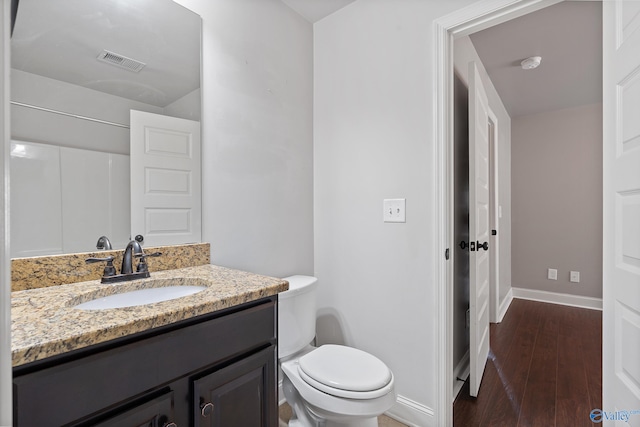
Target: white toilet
(331,385)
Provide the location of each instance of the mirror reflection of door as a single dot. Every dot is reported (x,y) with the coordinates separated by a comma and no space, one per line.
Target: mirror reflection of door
(165,179)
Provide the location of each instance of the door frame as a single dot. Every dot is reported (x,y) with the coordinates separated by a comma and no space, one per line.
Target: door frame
(473,18)
(6,405)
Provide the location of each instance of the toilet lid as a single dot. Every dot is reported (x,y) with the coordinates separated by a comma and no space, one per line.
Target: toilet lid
(344,368)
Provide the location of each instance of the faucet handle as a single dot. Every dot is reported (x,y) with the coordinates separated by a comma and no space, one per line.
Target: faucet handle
(143,256)
(142,265)
(109,269)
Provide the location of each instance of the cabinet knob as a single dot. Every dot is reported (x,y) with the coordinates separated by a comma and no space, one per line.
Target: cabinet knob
(163,421)
(206,409)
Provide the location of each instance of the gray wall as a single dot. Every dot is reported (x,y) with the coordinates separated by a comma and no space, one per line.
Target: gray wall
(557,200)
(257,149)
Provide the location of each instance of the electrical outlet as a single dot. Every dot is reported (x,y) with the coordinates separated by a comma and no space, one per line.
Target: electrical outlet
(394,210)
(574,276)
(552,274)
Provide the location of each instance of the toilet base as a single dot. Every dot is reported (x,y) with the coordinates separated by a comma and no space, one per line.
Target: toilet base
(369,422)
(303,416)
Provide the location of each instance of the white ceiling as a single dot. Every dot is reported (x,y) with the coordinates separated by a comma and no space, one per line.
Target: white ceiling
(61,39)
(315,10)
(47,33)
(568,37)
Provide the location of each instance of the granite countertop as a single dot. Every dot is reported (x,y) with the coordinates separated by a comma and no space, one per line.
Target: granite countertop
(44,322)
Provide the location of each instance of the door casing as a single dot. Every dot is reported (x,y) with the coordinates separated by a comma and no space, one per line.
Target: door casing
(494,243)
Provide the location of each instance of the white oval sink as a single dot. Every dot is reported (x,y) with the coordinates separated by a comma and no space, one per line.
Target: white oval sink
(140,297)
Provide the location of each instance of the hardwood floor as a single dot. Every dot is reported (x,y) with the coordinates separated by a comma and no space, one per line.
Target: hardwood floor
(544,369)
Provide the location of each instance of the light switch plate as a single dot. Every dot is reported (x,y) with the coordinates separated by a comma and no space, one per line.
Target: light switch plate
(394,210)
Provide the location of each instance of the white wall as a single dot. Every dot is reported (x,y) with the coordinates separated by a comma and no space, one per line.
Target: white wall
(373,139)
(557,200)
(257,135)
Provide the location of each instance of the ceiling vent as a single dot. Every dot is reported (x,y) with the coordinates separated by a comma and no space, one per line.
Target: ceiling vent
(121,61)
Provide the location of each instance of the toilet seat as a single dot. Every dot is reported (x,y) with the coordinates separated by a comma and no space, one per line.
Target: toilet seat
(345,372)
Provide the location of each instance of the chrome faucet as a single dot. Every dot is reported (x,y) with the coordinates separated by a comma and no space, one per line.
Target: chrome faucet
(104,244)
(133,248)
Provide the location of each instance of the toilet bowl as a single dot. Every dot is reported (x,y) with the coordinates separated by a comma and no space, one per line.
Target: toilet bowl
(330,385)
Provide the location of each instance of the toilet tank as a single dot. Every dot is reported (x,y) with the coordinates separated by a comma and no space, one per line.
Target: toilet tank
(296,315)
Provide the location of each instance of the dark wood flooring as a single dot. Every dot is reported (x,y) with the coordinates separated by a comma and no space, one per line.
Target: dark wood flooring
(544,369)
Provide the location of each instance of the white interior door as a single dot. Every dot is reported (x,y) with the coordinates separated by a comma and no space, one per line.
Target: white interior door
(478,228)
(621,214)
(165,179)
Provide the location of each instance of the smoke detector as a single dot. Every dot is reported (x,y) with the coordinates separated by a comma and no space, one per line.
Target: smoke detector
(531,62)
(120,61)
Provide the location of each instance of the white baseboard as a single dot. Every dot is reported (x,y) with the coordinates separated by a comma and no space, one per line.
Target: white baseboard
(460,373)
(558,298)
(412,413)
(504,305)
(406,411)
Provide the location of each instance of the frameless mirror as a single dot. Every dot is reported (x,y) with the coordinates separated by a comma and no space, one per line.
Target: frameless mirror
(79,67)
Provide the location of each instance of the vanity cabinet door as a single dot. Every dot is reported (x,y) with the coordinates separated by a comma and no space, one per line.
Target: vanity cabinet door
(154,413)
(242,394)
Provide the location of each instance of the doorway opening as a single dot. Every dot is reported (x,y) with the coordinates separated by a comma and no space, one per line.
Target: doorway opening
(460,24)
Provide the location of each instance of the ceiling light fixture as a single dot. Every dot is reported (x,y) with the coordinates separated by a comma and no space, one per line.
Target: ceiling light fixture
(531,62)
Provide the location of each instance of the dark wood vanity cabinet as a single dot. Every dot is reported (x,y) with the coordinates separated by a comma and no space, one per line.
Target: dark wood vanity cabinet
(157,412)
(236,395)
(218,369)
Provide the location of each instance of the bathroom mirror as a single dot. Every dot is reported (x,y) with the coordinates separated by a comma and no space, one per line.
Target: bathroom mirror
(78,68)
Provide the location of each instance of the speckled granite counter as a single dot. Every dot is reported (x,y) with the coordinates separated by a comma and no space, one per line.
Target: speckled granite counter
(44,322)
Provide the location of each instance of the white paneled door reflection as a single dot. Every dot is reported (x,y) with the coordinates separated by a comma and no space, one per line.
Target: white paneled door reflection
(165,179)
